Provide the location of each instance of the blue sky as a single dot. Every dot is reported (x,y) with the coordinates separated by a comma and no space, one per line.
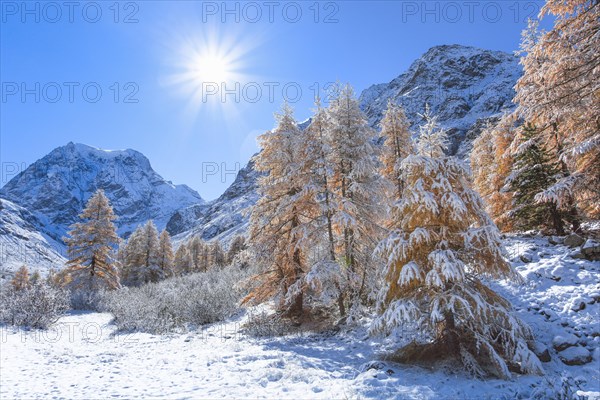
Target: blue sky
(154,62)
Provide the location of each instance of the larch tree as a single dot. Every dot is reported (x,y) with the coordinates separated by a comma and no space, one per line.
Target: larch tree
(237,245)
(142,256)
(199,253)
(91,245)
(277,233)
(165,254)
(182,262)
(492,163)
(129,256)
(325,275)
(151,271)
(444,244)
(397,145)
(35,278)
(356,190)
(559,92)
(204,262)
(218,258)
(533,172)
(21,279)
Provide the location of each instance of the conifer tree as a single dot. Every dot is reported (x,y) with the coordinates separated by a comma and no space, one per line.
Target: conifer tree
(204,262)
(238,244)
(217,255)
(355,190)
(492,163)
(397,145)
(142,256)
(559,93)
(199,254)
(21,279)
(444,244)
(276,225)
(183,260)
(325,275)
(314,149)
(91,245)
(533,173)
(165,254)
(129,256)
(35,278)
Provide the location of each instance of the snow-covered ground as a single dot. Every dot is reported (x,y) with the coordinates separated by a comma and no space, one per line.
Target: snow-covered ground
(83,358)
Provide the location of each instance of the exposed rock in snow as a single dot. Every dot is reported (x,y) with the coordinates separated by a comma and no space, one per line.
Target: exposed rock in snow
(542,352)
(574,240)
(561,342)
(591,250)
(575,356)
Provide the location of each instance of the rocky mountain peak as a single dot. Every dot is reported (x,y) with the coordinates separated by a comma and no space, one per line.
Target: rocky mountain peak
(56,188)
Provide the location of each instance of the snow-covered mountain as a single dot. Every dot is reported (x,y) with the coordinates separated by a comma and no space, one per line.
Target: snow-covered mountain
(55,189)
(464,86)
(22,244)
(222,218)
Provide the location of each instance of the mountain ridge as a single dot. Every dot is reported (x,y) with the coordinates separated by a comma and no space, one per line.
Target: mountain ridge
(56,187)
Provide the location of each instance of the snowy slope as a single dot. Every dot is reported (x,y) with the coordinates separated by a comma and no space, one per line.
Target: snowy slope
(56,188)
(222,361)
(21,243)
(222,218)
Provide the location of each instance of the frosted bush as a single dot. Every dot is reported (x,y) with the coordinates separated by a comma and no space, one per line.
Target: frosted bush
(86,300)
(263,324)
(177,304)
(36,306)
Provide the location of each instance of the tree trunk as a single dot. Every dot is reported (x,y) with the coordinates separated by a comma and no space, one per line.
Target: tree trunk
(449,334)
(572,214)
(557,220)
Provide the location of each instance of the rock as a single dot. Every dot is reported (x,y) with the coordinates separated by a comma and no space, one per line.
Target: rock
(574,240)
(577,254)
(376,365)
(556,240)
(578,306)
(591,250)
(525,258)
(541,352)
(544,356)
(575,356)
(562,342)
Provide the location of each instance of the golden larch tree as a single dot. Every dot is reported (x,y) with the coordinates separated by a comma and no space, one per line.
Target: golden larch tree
(91,245)
(444,244)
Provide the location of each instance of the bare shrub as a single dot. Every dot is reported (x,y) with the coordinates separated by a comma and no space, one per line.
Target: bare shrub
(38,305)
(176,304)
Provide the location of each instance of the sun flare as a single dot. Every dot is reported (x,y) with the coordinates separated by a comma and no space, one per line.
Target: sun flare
(208,64)
(212,68)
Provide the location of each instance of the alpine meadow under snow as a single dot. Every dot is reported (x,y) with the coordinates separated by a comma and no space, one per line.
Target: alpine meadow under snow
(394,245)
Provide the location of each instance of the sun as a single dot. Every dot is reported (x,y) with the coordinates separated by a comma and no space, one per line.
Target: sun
(212,68)
(208,67)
